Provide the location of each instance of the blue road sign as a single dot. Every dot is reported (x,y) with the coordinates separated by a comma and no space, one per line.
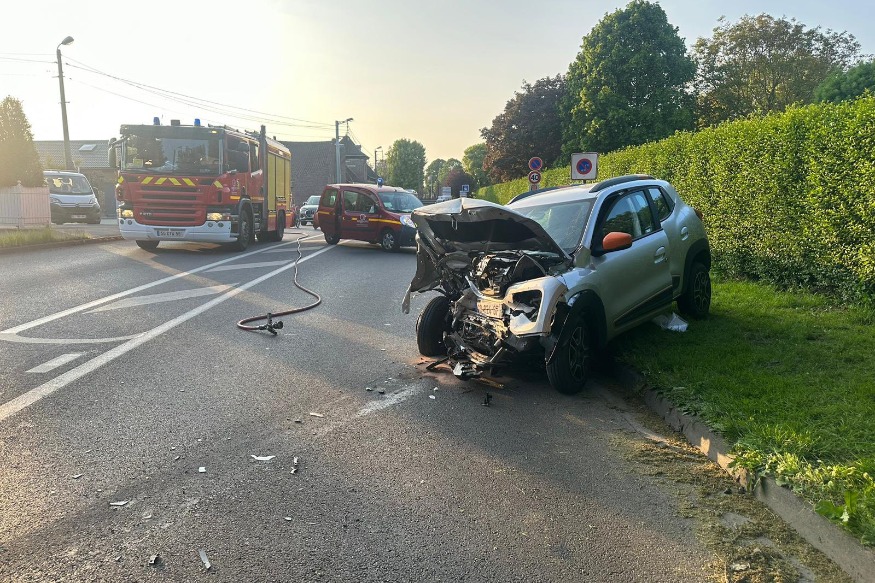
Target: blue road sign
(535,163)
(584,166)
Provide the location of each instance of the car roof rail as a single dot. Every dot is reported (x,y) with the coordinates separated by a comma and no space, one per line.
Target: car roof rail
(619,180)
(532,192)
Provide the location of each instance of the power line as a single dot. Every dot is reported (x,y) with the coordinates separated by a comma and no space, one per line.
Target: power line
(197,101)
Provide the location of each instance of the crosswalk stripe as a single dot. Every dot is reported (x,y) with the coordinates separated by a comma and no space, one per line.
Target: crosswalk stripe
(165,297)
(56,362)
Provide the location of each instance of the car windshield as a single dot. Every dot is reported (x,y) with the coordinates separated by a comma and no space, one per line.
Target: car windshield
(313,200)
(68,185)
(167,155)
(400,202)
(564,222)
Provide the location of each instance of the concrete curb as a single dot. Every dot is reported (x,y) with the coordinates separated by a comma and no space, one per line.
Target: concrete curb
(56,244)
(846,551)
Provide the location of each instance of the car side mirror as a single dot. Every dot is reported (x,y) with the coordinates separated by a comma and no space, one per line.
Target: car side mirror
(615,241)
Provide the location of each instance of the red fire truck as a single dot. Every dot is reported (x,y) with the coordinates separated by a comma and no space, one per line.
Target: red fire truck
(201,183)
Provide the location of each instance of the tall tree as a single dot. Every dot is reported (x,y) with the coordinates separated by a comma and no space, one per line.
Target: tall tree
(456,178)
(432,184)
(762,64)
(18,157)
(627,85)
(472,162)
(842,85)
(529,126)
(405,163)
(446,168)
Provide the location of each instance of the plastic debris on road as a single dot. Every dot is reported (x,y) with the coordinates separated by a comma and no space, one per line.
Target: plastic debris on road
(312,414)
(432,397)
(119,503)
(288,518)
(295,465)
(673,323)
(155,560)
(77,476)
(204,559)
(202,470)
(262,458)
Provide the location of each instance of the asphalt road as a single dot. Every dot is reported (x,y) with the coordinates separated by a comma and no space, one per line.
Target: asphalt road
(131,408)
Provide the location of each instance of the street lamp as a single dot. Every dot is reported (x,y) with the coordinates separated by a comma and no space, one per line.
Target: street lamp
(337,145)
(377,160)
(67,161)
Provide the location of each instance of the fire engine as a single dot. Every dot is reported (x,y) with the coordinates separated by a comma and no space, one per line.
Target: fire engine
(200,183)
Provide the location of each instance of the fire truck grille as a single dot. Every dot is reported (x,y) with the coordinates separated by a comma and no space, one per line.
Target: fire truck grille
(150,190)
(170,216)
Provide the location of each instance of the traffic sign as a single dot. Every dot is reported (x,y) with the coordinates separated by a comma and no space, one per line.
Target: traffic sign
(584,166)
(534,177)
(466,187)
(536,163)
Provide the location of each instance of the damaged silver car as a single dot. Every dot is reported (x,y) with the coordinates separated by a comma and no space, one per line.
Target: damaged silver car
(555,274)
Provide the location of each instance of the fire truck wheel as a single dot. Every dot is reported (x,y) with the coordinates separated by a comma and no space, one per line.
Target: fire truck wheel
(245,236)
(276,235)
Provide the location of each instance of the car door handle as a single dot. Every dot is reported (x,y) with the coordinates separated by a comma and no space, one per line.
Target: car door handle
(659,256)
(685,233)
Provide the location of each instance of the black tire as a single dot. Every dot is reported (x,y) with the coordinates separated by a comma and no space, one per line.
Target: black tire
(279,232)
(571,365)
(696,299)
(431,325)
(331,239)
(388,240)
(245,231)
(147,245)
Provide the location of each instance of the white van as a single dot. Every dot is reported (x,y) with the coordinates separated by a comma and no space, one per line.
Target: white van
(71,198)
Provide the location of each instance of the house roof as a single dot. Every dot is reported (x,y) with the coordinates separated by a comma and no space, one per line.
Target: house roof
(84,153)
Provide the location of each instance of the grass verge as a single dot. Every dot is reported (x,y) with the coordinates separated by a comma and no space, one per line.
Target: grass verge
(22,237)
(789,380)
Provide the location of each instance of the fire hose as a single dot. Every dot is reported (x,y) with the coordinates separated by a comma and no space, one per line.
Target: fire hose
(271,325)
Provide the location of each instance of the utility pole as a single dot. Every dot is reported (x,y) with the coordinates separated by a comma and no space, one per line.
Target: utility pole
(68,162)
(377,151)
(337,174)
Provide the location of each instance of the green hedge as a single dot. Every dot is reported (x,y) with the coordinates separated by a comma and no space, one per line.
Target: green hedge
(788,199)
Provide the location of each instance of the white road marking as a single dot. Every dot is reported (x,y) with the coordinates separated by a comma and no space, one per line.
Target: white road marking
(56,362)
(166,297)
(393,399)
(248,265)
(101,301)
(36,394)
(25,340)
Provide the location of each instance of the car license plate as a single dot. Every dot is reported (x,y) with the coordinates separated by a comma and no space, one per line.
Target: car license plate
(170,233)
(491,309)
(77,216)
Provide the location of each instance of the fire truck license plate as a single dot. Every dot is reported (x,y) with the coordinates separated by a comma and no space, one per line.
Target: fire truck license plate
(77,216)
(170,233)
(491,309)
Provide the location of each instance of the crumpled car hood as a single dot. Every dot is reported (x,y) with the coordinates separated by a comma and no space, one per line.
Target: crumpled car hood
(463,225)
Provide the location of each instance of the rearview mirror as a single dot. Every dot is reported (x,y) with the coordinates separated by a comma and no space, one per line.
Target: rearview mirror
(614,241)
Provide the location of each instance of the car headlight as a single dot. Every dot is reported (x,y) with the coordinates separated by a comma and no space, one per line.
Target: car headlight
(407,221)
(125,213)
(93,200)
(218,217)
(54,200)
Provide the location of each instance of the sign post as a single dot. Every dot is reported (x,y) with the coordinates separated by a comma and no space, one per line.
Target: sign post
(535,165)
(584,166)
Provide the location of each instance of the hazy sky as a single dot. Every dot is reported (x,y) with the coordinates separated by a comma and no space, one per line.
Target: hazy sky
(436,72)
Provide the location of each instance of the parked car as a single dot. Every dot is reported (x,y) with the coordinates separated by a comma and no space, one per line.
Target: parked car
(558,272)
(367,212)
(443,198)
(71,198)
(307,210)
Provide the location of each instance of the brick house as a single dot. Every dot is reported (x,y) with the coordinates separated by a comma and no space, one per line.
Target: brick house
(314,166)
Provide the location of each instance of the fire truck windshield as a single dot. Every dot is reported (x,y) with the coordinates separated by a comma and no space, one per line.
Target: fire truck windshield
(155,154)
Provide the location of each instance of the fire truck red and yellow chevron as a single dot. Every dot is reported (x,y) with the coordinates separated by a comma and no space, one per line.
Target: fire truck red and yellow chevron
(159,180)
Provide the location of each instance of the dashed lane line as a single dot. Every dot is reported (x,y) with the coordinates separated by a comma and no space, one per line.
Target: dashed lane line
(56,362)
(38,393)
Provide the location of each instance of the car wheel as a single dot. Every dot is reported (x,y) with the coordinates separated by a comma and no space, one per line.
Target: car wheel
(331,239)
(388,240)
(245,236)
(572,362)
(431,325)
(147,245)
(696,299)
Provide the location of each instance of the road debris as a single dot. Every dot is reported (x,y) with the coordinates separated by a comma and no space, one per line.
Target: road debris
(176,459)
(147,516)
(202,470)
(155,560)
(204,559)
(437,363)
(77,476)
(487,400)
(673,323)
(368,389)
(382,391)
(298,421)
(490,382)
(120,503)
(262,458)
(312,414)
(295,465)
(288,518)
